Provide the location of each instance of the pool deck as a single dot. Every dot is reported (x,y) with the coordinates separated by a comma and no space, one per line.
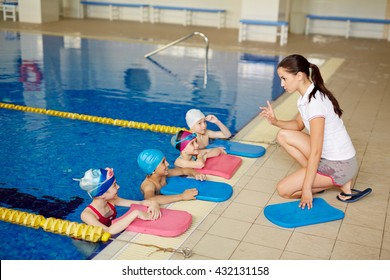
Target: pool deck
(358,72)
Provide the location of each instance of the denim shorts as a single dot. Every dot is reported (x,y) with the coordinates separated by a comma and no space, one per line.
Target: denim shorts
(340,171)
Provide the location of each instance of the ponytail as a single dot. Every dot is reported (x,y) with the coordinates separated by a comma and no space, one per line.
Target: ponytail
(320,86)
(296,63)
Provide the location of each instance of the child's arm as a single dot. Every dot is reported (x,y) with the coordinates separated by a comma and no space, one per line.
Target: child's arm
(153,207)
(123,223)
(123,201)
(224,132)
(213,152)
(150,194)
(178,171)
(88,217)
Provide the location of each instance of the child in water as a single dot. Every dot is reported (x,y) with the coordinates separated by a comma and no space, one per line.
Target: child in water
(190,154)
(101,186)
(197,123)
(154,164)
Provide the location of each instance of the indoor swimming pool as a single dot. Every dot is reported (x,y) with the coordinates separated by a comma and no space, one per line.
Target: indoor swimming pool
(41,154)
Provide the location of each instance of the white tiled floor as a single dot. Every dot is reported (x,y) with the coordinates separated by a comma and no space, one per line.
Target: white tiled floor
(237,229)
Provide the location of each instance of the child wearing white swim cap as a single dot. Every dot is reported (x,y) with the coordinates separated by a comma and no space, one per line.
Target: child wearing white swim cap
(197,123)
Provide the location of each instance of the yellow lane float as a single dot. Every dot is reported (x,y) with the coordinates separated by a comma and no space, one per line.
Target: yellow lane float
(58,226)
(95,119)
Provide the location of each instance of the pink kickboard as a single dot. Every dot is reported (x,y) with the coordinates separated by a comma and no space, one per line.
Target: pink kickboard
(172,222)
(223,166)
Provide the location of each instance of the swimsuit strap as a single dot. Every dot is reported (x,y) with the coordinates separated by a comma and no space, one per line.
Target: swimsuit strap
(112,207)
(105,220)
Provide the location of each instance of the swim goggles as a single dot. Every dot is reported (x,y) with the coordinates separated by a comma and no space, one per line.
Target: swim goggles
(187,138)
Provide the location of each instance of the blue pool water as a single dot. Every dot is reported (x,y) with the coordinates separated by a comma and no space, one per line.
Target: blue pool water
(40,154)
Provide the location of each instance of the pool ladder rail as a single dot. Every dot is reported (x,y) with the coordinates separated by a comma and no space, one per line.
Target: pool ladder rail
(206,40)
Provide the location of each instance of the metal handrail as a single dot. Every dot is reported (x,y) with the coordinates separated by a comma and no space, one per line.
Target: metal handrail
(183,39)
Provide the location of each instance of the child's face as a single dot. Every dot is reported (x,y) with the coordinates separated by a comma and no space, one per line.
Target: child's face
(192,148)
(112,191)
(200,127)
(162,168)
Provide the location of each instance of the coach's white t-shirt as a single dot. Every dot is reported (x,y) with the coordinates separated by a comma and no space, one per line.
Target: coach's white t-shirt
(337,143)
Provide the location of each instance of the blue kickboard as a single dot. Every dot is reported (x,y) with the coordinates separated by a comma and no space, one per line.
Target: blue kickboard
(207,190)
(238,149)
(289,215)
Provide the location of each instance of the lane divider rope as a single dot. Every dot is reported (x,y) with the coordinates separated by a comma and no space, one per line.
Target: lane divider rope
(72,229)
(95,119)
(75,230)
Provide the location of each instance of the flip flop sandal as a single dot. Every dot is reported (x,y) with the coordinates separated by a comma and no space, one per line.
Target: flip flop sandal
(355,196)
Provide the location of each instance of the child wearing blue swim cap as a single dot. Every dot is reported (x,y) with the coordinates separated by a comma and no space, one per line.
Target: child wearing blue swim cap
(154,164)
(191,156)
(101,186)
(197,123)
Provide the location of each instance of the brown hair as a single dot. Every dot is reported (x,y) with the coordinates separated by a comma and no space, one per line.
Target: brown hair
(297,63)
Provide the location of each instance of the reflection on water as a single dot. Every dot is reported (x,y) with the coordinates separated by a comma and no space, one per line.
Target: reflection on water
(52,68)
(137,80)
(47,206)
(30,75)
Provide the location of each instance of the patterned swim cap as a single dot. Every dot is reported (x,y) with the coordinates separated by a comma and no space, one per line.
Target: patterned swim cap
(97,181)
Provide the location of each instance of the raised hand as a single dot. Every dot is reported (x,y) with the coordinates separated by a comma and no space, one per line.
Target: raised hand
(268,114)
